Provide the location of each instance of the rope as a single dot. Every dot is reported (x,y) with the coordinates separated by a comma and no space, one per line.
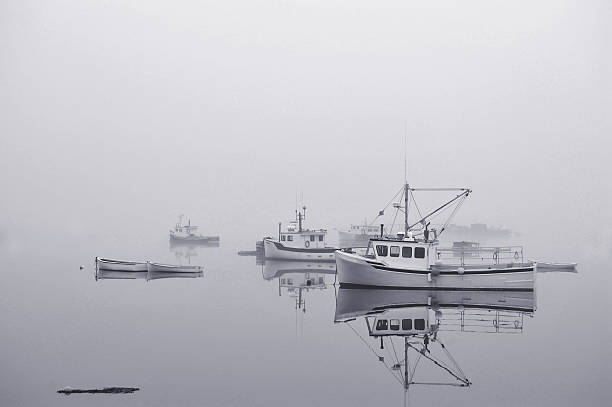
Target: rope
(374,352)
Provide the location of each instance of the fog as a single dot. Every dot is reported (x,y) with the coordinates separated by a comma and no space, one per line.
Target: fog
(118,116)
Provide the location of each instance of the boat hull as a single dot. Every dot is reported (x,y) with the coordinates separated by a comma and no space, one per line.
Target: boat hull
(194,239)
(278,251)
(354,270)
(358,302)
(167,268)
(118,265)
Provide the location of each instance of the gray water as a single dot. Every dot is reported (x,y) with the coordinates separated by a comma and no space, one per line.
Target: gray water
(228,338)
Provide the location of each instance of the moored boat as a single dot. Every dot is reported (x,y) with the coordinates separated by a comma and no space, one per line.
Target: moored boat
(119,265)
(414,260)
(188,234)
(170,268)
(299,243)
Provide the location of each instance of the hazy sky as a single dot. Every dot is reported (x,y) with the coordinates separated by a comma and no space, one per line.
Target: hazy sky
(142,110)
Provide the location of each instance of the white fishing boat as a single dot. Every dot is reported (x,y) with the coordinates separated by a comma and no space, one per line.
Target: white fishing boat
(418,318)
(119,265)
(188,234)
(171,268)
(299,243)
(413,258)
(298,278)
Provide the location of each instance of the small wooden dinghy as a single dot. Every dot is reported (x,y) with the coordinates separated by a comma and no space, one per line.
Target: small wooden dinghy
(169,268)
(157,275)
(542,267)
(119,265)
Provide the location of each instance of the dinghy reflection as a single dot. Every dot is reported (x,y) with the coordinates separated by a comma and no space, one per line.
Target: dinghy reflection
(406,326)
(102,274)
(299,277)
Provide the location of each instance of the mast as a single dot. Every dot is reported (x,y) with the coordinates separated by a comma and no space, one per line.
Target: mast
(406,362)
(406,228)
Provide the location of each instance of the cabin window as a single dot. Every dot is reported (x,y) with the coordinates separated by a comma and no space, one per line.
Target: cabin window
(312,238)
(419,324)
(320,238)
(282,281)
(381,250)
(321,281)
(289,281)
(406,324)
(290,238)
(407,251)
(419,252)
(282,238)
(394,324)
(382,324)
(394,251)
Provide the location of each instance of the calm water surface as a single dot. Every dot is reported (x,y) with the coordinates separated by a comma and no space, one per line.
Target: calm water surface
(229,339)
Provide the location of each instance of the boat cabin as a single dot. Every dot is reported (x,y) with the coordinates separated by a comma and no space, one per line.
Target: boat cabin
(401,322)
(306,238)
(365,229)
(405,253)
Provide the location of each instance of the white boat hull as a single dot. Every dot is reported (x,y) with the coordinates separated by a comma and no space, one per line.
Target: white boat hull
(278,251)
(358,302)
(354,270)
(168,268)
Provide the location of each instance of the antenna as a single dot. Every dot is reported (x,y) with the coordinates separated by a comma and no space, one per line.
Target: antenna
(405,151)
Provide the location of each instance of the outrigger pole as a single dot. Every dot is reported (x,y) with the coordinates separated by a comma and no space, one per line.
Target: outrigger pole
(464,194)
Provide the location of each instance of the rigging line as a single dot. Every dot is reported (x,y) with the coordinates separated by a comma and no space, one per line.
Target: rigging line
(416,363)
(394,352)
(448,354)
(374,352)
(415,204)
(465,193)
(434,361)
(452,215)
(387,205)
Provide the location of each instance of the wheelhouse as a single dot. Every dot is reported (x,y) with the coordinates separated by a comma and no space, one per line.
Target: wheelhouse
(306,238)
(413,253)
(401,322)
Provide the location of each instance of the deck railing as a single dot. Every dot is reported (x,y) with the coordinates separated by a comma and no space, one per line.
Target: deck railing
(481,255)
(491,321)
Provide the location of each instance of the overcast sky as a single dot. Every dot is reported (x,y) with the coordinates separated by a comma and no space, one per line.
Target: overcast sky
(142,110)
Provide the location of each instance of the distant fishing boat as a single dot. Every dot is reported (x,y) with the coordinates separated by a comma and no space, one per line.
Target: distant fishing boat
(170,268)
(298,243)
(358,235)
(413,258)
(119,265)
(188,234)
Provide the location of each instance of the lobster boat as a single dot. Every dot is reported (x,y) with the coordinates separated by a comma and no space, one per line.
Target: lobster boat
(299,243)
(414,259)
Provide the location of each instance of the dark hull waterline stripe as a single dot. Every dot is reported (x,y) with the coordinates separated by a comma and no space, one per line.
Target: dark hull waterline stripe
(453,305)
(304,250)
(454,273)
(389,287)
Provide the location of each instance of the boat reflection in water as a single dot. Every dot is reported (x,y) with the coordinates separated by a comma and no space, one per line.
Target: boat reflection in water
(102,274)
(417,319)
(299,277)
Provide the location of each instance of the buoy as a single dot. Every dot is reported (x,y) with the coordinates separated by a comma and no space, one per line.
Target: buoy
(81,267)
